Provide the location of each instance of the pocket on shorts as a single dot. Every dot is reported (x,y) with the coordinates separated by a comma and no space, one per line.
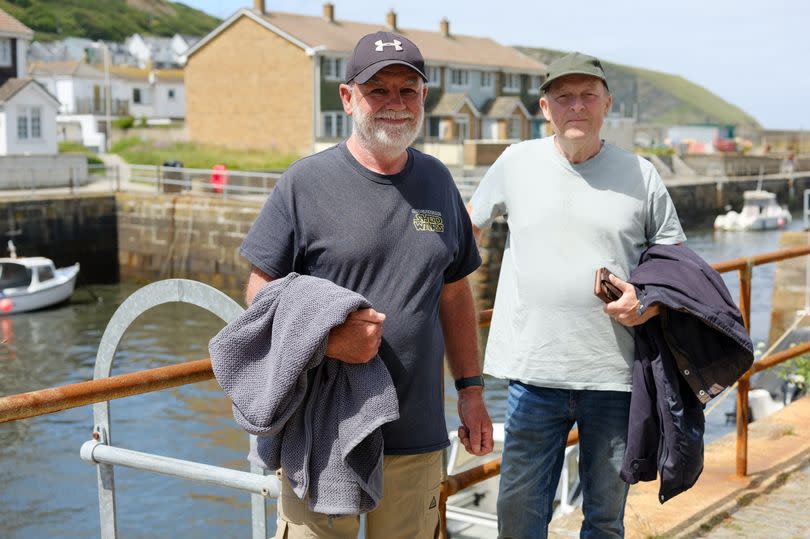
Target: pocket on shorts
(435,475)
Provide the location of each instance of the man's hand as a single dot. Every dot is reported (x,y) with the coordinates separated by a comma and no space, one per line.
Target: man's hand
(625,309)
(358,338)
(475,432)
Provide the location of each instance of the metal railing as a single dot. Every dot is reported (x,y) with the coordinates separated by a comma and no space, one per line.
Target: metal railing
(105,388)
(227,183)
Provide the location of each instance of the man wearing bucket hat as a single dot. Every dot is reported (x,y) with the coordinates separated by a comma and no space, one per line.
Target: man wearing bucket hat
(573,203)
(377,217)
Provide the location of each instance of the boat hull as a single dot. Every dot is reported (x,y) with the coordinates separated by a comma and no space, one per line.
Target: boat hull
(57,290)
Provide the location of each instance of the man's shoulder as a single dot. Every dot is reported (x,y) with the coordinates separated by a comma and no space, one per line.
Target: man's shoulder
(322,158)
(625,157)
(422,159)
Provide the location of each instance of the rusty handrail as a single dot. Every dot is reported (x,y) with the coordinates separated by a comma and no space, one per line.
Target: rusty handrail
(35,403)
(55,399)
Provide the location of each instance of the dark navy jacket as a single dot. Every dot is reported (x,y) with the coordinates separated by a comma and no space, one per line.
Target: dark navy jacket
(695,348)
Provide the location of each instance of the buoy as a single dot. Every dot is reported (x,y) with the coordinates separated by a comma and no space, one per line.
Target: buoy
(6,305)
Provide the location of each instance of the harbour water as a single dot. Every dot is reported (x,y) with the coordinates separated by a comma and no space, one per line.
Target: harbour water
(47,491)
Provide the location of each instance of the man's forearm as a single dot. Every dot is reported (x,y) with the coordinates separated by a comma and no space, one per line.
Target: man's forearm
(460,328)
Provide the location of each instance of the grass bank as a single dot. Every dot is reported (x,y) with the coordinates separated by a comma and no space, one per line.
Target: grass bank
(194,155)
(77,147)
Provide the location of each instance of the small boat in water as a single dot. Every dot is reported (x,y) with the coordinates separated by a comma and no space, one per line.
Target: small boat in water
(32,282)
(760,211)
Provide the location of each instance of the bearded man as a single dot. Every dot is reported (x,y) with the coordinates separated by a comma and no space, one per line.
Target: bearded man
(382,219)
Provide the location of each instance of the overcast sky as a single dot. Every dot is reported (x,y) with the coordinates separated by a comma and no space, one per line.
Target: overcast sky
(754,54)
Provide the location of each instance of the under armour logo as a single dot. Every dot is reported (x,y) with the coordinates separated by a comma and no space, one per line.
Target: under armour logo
(397,44)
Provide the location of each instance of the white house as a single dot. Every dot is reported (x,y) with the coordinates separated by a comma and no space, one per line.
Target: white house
(152,93)
(14,40)
(27,118)
(160,52)
(81,88)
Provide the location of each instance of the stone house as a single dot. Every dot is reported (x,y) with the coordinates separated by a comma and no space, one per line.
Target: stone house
(269,80)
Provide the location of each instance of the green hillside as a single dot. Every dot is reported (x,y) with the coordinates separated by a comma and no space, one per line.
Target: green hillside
(660,97)
(112,20)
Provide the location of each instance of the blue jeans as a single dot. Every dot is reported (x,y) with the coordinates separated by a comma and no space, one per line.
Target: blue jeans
(537,423)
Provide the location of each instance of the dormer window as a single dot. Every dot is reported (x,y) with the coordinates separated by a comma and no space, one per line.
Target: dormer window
(487,79)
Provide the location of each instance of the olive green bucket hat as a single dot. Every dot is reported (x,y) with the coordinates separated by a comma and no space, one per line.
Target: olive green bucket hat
(574,63)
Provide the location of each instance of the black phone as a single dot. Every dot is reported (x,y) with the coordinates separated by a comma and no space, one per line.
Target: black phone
(603,288)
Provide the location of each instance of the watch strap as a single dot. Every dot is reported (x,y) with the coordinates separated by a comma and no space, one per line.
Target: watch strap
(469,381)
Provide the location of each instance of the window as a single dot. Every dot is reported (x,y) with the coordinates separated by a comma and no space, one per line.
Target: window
(335,125)
(463,127)
(44,273)
(171,94)
(333,68)
(459,77)
(514,128)
(434,74)
(136,96)
(433,126)
(36,122)
(534,84)
(29,123)
(487,79)
(511,82)
(5,52)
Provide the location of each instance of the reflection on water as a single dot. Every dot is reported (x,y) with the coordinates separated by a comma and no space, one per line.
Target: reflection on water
(47,491)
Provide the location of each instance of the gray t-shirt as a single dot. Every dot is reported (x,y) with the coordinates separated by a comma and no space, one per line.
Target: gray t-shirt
(394,239)
(565,221)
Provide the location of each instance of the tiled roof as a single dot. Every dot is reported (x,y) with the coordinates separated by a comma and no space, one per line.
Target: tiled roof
(504,106)
(340,36)
(450,103)
(12,86)
(138,74)
(10,25)
(74,68)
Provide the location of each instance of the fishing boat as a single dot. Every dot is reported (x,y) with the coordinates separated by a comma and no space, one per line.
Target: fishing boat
(30,283)
(760,211)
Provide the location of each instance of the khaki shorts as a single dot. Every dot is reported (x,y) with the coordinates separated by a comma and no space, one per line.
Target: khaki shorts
(409,508)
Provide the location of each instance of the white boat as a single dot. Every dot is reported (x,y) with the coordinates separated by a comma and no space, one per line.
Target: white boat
(32,282)
(472,512)
(760,211)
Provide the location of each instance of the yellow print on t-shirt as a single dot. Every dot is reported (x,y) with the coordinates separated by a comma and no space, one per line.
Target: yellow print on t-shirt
(428,221)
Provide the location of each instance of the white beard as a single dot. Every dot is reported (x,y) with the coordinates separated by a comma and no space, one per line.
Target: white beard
(382,138)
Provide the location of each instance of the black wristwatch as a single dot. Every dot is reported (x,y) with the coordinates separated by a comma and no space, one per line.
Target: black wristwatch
(469,381)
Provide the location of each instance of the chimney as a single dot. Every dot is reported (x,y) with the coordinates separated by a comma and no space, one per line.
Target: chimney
(329,12)
(258,7)
(444,27)
(391,18)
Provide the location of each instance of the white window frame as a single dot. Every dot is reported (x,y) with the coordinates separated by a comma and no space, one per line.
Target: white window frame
(334,68)
(434,74)
(339,124)
(463,127)
(487,79)
(534,84)
(509,81)
(459,78)
(5,52)
(514,128)
(29,123)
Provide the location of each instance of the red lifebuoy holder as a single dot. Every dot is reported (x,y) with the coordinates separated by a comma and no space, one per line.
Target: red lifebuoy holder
(219,178)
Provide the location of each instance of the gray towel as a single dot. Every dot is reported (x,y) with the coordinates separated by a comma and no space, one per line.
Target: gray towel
(316,418)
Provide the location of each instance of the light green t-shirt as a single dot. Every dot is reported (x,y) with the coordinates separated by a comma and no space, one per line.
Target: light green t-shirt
(565,221)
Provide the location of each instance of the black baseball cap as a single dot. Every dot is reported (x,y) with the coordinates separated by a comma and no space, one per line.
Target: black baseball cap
(381,49)
(574,63)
